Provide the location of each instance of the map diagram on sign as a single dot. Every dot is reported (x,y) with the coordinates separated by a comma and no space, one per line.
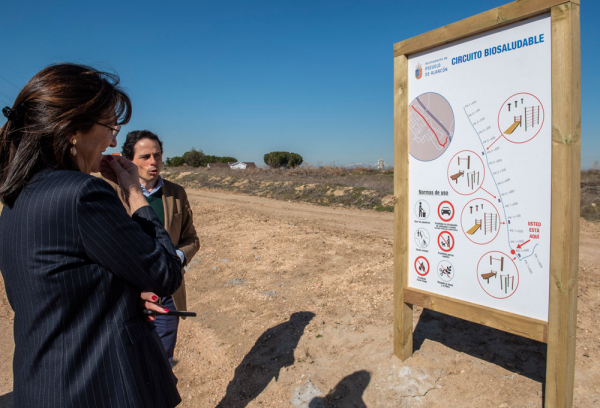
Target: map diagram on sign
(431,126)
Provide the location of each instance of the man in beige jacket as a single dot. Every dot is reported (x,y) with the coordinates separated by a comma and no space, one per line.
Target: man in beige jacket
(169,202)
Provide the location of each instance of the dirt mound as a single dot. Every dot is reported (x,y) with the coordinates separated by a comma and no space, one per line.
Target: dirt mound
(354,189)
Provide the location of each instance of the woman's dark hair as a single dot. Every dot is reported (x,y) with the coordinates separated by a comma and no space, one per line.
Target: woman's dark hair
(135,136)
(59,101)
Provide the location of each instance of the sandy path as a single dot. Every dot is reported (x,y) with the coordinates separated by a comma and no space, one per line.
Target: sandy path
(294,307)
(362,222)
(264,260)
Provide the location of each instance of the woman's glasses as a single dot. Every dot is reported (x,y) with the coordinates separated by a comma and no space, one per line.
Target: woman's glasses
(115,130)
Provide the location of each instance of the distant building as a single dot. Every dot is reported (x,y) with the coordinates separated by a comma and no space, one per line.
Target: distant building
(218,166)
(380,163)
(242,165)
(234,166)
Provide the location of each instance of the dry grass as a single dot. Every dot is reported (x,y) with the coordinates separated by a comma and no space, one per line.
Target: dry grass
(327,185)
(361,187)
(590,194)
(361,177)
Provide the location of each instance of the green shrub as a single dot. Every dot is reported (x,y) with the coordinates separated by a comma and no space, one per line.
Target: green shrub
(194,157)
(277,160)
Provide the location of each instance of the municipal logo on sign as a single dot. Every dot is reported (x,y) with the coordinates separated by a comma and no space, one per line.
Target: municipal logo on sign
(419,72)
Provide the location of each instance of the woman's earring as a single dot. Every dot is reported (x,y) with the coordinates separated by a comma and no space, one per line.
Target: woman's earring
(73,148)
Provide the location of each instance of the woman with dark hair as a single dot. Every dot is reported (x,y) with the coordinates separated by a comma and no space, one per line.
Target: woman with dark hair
(74,263)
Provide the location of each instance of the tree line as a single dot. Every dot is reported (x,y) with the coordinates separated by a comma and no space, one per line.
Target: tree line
(197,158)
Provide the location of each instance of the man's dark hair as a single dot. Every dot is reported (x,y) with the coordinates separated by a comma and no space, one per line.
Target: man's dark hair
(134,137)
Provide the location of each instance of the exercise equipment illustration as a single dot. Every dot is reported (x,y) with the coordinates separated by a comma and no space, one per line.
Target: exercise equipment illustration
(517,122)
(488,224)
(532,117)
(472,176)
(505,280)
(466,172)
(455,177)
(501,259)
(508,280)
(489,275)
(475,227)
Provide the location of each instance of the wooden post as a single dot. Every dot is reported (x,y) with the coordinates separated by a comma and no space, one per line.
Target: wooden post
(566,157)
(403,312)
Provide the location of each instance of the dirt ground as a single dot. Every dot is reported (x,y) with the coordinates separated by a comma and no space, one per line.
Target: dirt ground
(294,306)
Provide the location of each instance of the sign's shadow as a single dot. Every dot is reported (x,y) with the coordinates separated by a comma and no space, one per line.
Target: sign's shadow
(514,353)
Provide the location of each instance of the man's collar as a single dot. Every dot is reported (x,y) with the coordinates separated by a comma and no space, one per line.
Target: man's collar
(156,189)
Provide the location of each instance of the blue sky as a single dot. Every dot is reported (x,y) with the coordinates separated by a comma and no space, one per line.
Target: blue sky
(242,78)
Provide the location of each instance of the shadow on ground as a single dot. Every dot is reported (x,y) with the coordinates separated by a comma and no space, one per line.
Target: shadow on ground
(514,353)
(273,350)
(347,394)
(6,400)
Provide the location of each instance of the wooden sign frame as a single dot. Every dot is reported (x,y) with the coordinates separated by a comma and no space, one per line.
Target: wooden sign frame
(560,331)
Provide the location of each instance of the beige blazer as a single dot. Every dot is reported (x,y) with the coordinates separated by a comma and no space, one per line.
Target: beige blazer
(179,224)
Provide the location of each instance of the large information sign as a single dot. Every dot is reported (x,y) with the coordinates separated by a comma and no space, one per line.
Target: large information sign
(487,145)
(480,144)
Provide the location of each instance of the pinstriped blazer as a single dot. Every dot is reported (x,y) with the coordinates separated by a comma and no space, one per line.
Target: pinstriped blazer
(179,223)
(74,264)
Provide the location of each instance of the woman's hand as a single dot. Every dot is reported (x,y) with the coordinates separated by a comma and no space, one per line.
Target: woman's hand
(150,301)
(121,171)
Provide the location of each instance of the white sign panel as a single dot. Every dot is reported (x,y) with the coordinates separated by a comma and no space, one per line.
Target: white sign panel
(480,142)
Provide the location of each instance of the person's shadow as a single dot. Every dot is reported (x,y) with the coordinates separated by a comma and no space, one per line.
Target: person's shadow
(273,350)
(347,393)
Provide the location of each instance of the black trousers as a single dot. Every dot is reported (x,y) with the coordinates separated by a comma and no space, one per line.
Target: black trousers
(166,327)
